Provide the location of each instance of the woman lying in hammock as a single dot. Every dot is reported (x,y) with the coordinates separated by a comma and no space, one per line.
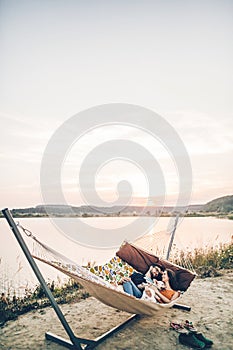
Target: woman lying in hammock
(167,293)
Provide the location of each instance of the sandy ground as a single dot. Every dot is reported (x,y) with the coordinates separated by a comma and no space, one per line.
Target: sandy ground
(212,314)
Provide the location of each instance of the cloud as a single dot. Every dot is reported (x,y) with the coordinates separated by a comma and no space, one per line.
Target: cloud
(203,133)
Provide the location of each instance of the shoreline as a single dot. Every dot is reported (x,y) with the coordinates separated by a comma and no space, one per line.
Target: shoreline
(209,298)
(86,216)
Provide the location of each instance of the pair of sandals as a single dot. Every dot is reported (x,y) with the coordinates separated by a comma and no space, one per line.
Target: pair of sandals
(183,328)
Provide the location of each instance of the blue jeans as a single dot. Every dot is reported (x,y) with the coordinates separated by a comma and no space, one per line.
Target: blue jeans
(130,288)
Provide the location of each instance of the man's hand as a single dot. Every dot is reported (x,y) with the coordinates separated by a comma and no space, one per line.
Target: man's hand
(125,279)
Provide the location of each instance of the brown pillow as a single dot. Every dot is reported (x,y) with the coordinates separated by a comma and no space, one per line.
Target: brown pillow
(137,258)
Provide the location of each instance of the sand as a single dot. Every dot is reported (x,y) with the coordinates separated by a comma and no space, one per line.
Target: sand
(210,300)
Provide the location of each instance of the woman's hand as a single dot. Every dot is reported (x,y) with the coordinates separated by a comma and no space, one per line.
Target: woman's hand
(155,288)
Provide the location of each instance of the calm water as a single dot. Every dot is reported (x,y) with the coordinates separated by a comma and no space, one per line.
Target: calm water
(17,274)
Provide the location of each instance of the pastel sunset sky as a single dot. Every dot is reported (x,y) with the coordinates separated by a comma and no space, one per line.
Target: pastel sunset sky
(61,57)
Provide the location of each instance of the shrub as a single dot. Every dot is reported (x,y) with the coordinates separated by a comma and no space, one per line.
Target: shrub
(208,261)
(14,306)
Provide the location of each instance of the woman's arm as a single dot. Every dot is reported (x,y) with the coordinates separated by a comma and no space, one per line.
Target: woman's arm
(165,299)
(161,296)
(175,296)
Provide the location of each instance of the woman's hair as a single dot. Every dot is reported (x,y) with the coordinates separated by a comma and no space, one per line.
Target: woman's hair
(172,279)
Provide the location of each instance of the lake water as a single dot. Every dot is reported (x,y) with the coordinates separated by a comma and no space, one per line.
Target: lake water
(16,273)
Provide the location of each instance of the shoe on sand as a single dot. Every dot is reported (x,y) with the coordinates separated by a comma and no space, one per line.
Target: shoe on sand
(189,325)
(191,341)
(208,343)
(178,327)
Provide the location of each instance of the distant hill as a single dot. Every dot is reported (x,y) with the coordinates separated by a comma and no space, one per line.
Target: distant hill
(220,205)
(84,211)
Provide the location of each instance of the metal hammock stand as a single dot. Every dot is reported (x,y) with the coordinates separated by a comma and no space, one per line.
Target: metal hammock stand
(75,342)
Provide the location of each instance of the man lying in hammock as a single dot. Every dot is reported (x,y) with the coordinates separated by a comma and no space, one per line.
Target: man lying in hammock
(135,284)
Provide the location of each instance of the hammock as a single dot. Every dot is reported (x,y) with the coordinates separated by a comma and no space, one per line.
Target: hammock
(109,293)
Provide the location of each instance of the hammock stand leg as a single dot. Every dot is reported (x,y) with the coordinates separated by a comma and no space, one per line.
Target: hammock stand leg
(182,307)
(75,343)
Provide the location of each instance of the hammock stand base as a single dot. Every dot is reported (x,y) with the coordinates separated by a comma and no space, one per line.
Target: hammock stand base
(88,344)
(74,342)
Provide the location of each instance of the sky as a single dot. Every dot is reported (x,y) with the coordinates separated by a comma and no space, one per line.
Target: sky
(59,58)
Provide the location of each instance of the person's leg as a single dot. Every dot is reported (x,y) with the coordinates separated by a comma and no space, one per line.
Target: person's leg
(130,288)
(127,286)
(136,291)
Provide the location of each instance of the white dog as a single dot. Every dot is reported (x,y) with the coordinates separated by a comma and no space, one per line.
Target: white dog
(149,295)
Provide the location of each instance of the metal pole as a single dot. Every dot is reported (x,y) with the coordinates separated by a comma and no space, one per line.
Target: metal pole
(172,237)
(38,274)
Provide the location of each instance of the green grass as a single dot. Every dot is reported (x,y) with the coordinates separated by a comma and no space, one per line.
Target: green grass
(209,261)
(11,306)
